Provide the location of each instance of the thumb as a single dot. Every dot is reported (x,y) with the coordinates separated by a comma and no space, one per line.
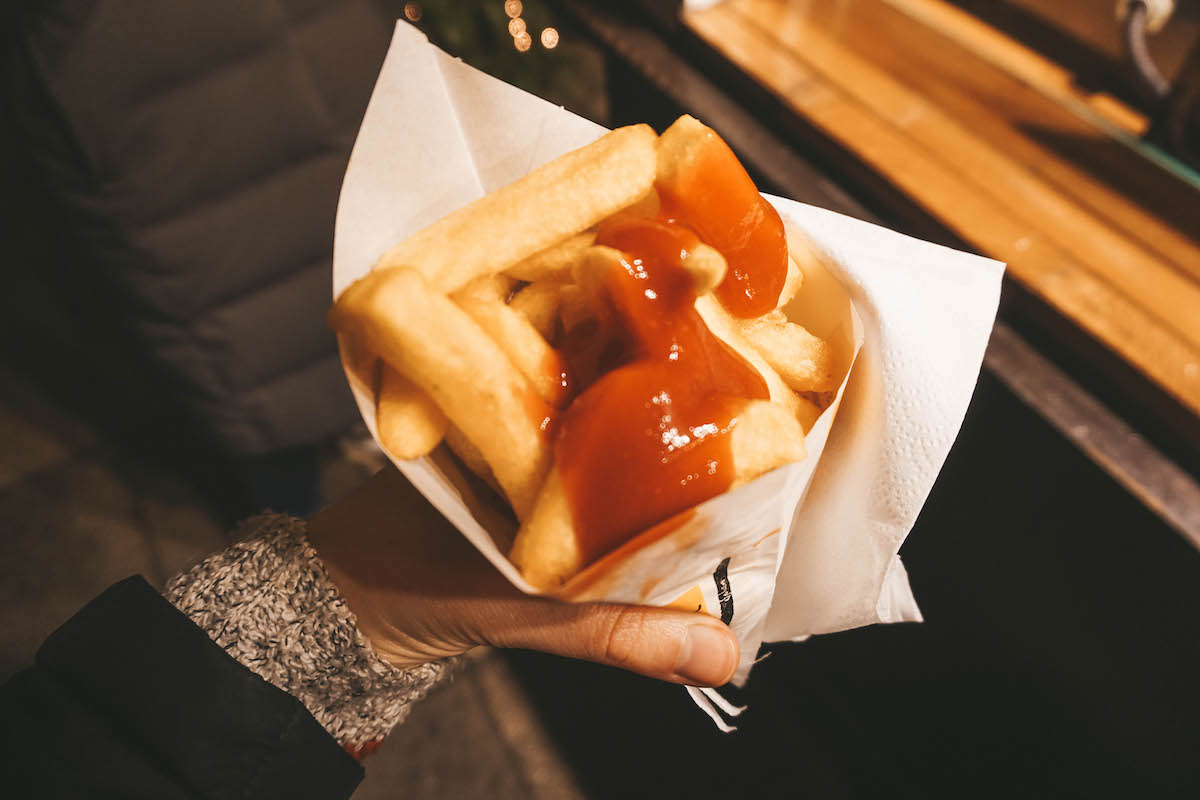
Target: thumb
(664,643)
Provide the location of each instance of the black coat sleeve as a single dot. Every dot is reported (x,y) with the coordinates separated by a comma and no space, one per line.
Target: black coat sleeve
(131,699)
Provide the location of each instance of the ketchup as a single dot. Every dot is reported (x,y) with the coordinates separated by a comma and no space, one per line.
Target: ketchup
(650,437)
(718,200)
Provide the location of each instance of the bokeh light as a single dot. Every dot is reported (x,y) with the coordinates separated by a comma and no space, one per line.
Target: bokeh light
(549,38)
(412,11)
(513,8)
(523,41)
(516,27)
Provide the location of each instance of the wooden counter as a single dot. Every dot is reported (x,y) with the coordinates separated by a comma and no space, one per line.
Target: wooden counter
(999,147)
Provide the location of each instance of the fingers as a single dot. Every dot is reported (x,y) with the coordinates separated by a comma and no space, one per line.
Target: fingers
(420,591)
(667,644)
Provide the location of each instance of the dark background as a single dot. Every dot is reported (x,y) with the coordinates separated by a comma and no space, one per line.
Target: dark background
(1059,657)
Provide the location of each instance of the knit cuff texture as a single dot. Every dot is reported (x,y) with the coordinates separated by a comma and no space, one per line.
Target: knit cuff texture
(269,603)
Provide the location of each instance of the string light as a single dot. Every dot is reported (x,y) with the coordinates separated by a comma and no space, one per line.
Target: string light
(518,28)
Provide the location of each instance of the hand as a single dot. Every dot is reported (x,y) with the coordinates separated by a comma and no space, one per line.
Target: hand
(422,592)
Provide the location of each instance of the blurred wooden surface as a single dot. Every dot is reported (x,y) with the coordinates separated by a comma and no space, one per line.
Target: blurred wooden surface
(1089,226)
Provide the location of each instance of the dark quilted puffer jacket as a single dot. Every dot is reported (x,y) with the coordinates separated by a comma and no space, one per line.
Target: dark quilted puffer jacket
(195,151)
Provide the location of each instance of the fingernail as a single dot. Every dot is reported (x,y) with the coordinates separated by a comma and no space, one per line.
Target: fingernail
(708,656)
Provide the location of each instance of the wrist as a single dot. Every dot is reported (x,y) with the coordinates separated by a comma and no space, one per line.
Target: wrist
(367,606)
(270,603)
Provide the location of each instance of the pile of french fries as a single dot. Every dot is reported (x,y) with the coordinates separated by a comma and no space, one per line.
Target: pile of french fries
(462,315)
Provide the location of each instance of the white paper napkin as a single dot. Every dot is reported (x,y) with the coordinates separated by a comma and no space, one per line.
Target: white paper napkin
(927,311)
(438,134)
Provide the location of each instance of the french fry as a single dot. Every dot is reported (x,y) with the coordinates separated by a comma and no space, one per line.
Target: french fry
(573,192)
(434,343)
(806,412)
(804,254)
(410,424)
(806,363)
(704,264)
(726,328)
(362,366)
(678,148)
(574,307)
(539,303)
(487,287)
(791,284)
(483,300)
(469,454)
(647,206)
(685,144)
(766,436)
(589,275)
(555,262)
(546,550)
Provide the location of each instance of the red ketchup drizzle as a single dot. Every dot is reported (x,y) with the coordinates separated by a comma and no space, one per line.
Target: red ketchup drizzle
(650,436)
(719,201)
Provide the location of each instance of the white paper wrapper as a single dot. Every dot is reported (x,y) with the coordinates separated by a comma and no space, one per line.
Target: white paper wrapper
(808,548)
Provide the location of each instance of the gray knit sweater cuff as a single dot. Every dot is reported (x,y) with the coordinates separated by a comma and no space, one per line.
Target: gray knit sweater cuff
(268,602)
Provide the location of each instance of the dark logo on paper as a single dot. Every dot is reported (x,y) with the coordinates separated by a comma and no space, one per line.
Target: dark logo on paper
(724,591)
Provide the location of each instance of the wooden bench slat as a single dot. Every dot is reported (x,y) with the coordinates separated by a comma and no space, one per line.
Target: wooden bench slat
(1022,62)
(1153,327)
(1150,282)
(996,106)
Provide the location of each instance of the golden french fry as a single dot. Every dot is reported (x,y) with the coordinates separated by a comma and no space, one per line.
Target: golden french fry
(589,275)
(679,146)
(554,263)
(361,365)
(705,265)
(805,362)
(539,303)
(766,436)
(726,328)
(487,287)
(483,300)
(689,153)
(647,206)
(791,284)
(546,550)
(434,343)
(469,454)
(804,254)
(574,307)
(806,412)
(410,424)
(572,193)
